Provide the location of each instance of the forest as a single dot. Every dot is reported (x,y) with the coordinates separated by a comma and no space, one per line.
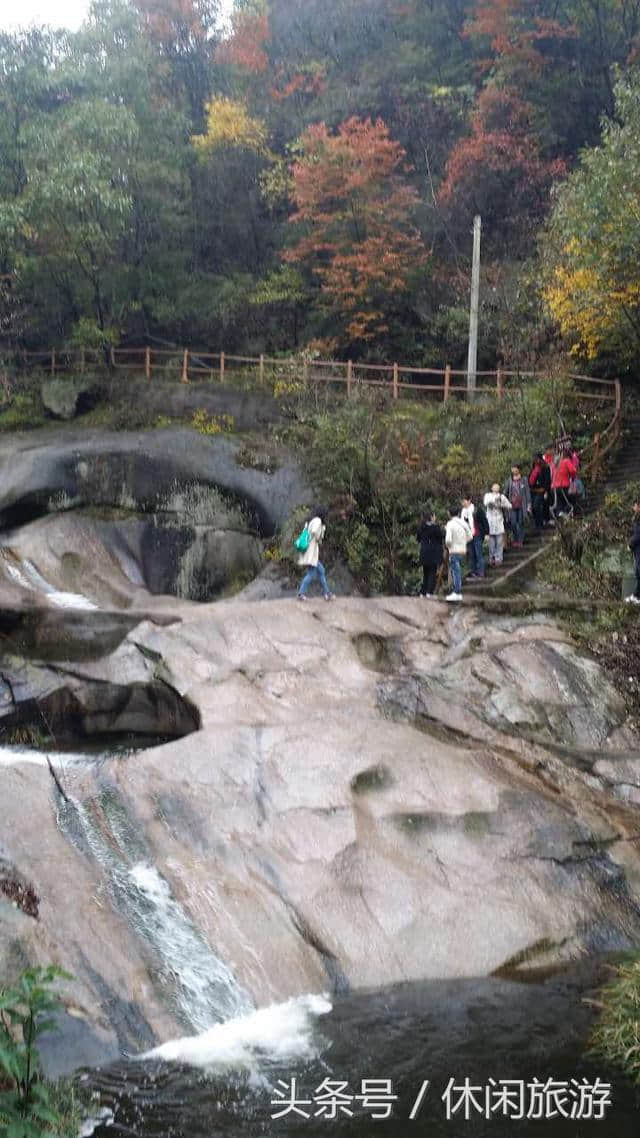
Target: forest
(305,177)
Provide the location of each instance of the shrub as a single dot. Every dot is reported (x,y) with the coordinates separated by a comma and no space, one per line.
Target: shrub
(616,1036)
(24,413)
(26,1107)
(212,424)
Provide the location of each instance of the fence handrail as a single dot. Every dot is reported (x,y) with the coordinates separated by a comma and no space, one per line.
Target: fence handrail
(348,372)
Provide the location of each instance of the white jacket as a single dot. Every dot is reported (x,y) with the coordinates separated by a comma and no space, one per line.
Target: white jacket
(494,504)
(457,534)
(311,555)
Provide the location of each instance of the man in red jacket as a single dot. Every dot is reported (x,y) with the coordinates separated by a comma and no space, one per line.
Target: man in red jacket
(561,478)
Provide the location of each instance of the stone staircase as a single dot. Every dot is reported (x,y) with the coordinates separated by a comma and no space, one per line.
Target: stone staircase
(625,467)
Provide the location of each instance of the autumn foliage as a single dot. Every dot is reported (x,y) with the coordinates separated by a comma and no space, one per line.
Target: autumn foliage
(498,170)
(524,39)
(353,206)
(245,47)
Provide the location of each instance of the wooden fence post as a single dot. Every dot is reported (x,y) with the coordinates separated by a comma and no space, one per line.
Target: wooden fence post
(395,381)
(112,356)
(147,362)
(185,367)
(53,361)
(447,382)
(499,383)
(305,372)
(261,371)
(221,367)
(349,376)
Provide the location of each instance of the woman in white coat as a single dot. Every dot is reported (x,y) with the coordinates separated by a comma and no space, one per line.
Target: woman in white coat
(494,503)
(310,559)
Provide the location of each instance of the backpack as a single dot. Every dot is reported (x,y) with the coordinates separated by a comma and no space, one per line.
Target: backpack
(302,541)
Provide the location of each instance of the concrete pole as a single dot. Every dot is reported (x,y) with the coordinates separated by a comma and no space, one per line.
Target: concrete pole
(472,360)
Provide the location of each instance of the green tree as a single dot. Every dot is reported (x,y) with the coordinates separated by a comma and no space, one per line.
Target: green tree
(592,242)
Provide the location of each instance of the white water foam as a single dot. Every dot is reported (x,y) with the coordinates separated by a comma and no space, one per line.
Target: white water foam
(103,1117)
(279,1032)
(204,984)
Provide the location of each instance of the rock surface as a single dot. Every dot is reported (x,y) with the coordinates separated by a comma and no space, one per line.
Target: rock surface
(379,791)
(64,398)
(43,472)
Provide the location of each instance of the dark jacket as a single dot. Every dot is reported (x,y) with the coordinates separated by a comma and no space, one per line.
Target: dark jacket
(431,538)
(634,544)
(481,520)
(525,493)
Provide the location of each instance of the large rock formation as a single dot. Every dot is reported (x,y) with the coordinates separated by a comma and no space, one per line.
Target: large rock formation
(116,517)
(55,470)
(378,791)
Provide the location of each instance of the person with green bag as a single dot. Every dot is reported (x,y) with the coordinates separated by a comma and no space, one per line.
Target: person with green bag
(309,558)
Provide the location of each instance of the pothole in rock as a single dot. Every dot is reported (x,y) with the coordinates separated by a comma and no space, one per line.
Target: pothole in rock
(195,542)
(376,653)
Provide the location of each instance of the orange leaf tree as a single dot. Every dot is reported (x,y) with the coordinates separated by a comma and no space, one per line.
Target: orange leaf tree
(353,209)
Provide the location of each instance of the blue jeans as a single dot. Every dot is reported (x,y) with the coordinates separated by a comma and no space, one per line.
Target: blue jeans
(517,523)
(313,572)
(455,560)
(475,556)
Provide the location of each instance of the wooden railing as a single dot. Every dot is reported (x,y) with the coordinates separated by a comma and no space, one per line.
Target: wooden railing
(594,454)
(186,364)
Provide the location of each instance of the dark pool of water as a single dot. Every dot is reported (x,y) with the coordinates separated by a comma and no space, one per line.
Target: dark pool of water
(470,1029)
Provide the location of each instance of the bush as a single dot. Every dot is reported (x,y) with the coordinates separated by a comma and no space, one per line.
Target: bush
(616,1036)
(212,424)
(24,413)
(27,1107)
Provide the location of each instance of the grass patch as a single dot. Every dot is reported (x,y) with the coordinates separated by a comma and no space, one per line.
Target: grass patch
(616,1036)
(25,413)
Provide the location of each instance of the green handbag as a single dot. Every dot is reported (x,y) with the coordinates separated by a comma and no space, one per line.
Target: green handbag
(302,541)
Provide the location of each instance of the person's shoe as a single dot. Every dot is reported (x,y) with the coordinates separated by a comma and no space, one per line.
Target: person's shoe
(329,596)
(427,596)
(301,597)
(472,576)
(454,597)
(517,544)
(632,600)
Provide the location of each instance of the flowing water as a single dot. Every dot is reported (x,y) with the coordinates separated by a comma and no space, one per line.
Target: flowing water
(235,1080)
(389,1063)
(197,985)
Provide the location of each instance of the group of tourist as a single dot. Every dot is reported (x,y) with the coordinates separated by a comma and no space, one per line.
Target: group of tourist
(552,489)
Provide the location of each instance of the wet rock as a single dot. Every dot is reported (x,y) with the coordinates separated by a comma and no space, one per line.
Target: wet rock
(378,791)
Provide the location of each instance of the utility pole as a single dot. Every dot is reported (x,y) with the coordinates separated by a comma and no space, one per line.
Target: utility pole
(472,360)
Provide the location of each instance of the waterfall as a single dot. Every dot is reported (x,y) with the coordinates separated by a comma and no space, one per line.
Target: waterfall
(198,985)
